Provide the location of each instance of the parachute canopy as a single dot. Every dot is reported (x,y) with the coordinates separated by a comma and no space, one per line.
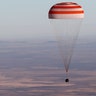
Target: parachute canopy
(66,10)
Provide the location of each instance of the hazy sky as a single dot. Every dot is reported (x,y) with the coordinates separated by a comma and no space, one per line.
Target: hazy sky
(22,19)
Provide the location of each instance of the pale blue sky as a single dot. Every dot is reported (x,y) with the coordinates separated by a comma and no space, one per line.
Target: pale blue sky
(23,19)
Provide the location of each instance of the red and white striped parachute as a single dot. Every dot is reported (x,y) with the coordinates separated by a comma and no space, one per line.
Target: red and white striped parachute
(66,10)
(66,18)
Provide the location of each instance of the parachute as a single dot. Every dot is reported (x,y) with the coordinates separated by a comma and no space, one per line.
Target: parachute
(66,18)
